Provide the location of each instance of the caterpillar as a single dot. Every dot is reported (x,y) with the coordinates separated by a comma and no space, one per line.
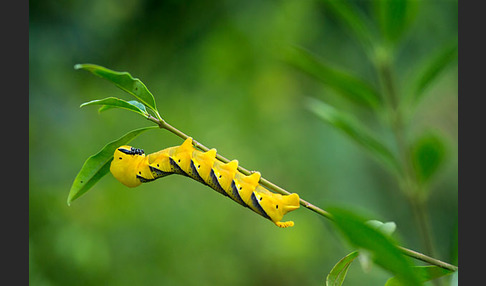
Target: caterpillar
(132,167)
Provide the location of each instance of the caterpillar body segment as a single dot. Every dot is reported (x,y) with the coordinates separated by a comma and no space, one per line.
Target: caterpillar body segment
(203,163)
(180,157)
(221,176)
(132,167)
(242,187)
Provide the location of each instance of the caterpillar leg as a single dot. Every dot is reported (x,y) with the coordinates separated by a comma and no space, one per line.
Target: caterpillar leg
(284,224)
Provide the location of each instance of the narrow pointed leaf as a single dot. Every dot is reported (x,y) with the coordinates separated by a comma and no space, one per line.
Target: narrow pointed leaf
(338,273)
(124,81)
(98,165)
(113,102)
(394,17)
(353,20)
(424,273)
(344,83)
(383,250)
(355,131)
(428,153)
(432,67)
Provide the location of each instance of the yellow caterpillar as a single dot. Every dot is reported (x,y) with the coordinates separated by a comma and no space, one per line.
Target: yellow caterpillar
(132,167)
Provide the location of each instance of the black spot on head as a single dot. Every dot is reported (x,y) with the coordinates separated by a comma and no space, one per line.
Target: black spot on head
(261,198)
(276,206)
(140,172)
(120,158)
(157,165)
(241,188)
(198,166)
(178,161)
(220,176)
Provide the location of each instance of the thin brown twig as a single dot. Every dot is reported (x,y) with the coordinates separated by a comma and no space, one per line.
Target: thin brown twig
(411,253)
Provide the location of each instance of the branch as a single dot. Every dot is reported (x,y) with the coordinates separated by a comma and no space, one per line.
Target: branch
(164,125)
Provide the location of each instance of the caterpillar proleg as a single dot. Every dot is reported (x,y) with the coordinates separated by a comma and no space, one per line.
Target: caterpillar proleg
(132,167)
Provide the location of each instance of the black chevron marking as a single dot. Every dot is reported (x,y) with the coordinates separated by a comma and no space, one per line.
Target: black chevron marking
(257,205)
(195,174)
(158,173)
(144,180)
(177,168)
(214,183)
(236,194)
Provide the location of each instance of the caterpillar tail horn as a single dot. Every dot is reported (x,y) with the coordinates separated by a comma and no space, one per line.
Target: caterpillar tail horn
(292,203)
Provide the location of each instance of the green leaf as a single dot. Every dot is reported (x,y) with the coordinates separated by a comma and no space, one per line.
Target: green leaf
(354,20)
(429,70)
(386,228)
(424,273)
(344,83)
(113,102)
(428,153)
(124,81)
(98,165)
(394,17)
(381,247)
(355,131)
(339,271)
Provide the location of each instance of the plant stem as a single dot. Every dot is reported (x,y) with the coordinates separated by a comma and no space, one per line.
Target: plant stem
(428,259)
(263,181)
(409,184)
(164,125)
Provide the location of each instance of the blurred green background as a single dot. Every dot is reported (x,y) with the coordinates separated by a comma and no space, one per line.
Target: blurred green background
(219,73)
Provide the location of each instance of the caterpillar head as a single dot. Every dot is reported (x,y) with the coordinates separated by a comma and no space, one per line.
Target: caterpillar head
(125,165)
